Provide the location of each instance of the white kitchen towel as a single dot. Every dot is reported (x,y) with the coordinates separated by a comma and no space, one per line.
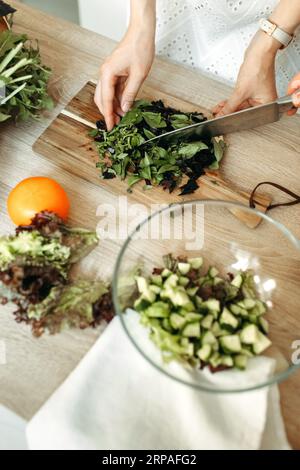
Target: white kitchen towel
(12,431)
(114,399)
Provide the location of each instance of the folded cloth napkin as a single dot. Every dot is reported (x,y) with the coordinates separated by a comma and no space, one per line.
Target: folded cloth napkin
(114,400)
(12,431)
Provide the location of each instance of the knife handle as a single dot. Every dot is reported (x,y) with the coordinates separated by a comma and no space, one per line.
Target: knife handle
(286,103)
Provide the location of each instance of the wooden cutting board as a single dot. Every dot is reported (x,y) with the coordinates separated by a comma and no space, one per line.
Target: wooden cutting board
(67,141)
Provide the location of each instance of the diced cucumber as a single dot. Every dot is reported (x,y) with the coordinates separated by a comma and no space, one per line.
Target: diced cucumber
(212,305)
(166,272)
(213,272)
(167,325)
(144,289)
(171,281)
(196,263)
(237,281)
(218,280)
(228,319)
(192,330)
(253,319)
(207,321)
(183,281)
(183,268)
(246,351)
(189,307)
(158,310)
(208,338)
(215,360)
(227,361)
(140,304)
(249,304)
(261,344)
(192,291)
(192,316)
(231,344)
(261,307)
(198,301)
(156,279)
(240,361)
(155,289)
(177,321)
(264,324)
(249,334)
(235,309)
(204,352)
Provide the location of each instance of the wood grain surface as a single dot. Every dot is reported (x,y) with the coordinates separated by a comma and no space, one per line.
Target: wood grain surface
(35,368)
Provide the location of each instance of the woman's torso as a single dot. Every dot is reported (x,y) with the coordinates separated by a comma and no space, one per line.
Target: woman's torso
(212,35)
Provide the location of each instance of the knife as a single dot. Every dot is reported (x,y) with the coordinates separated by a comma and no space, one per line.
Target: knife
(239,121)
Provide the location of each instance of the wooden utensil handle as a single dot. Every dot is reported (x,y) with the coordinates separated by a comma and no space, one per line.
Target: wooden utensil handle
(214,187)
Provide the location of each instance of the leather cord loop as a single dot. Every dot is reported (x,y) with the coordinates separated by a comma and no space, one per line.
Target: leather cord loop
(282,189)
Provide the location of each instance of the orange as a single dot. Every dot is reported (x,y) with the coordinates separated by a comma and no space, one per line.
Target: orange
(34,195)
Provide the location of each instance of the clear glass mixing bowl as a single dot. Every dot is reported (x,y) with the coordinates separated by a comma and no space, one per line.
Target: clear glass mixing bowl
(219,232)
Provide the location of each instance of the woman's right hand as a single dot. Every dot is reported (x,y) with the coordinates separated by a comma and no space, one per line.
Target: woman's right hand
(123,73)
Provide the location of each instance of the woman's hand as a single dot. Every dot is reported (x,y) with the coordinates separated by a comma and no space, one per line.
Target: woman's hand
(256,80)
(294,85)
(123,73)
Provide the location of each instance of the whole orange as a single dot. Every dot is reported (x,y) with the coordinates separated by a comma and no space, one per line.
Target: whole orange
(34,195)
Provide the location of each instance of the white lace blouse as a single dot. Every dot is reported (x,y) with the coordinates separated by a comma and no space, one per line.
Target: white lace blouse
(212,35)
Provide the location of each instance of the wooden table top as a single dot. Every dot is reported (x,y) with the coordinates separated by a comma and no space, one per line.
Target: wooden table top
(35,368)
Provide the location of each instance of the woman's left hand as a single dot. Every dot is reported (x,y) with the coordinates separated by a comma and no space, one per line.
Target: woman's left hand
(256,80)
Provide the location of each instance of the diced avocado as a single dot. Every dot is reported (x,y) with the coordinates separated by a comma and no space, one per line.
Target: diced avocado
(213,272)
(156,279)
(158,310)
(227,361)
(183,281)
(264,324)
(196,263)
(192,291)
(228,319)
(192,316)
(171,281)
(154,288)
(237,281)
(177,321)
(140,304)
(207,321)
(240,361)
(183,268)
(212,304)
(208,338)
(249,334)
(192,330)
(261,344)
(204,352)
(166,272)
(215,360)
(231,344)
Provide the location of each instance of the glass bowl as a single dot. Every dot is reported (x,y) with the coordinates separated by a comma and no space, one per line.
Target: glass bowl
(219,232)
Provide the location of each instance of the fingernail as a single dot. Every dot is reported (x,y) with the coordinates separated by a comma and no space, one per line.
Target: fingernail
(126,107)
(296,98)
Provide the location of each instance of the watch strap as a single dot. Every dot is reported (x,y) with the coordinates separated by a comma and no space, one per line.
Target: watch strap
(277,33)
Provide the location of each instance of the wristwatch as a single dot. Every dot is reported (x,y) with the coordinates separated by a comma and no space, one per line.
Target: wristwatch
(277,33)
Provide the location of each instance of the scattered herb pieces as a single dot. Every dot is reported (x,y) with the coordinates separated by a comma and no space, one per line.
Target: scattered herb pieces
(23,78)
(35,269)
(200,318)
(120,154)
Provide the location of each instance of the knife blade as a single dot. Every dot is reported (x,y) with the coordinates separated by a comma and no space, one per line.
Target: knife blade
(242,120)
